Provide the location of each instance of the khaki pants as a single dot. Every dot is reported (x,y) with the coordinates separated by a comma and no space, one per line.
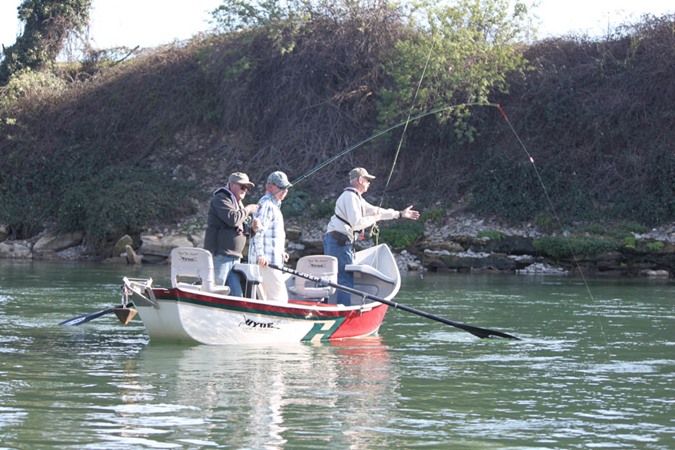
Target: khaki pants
(274,285)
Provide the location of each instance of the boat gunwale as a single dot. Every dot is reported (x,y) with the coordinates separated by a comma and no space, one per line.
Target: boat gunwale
(266,307)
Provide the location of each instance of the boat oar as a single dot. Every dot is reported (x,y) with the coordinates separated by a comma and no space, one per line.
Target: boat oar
(476,331)
(79,320)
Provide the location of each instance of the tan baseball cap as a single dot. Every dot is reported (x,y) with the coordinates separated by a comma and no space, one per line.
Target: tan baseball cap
(240,178)
(360,172)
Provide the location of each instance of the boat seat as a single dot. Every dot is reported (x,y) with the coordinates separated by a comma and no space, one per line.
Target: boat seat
(194,263)
(252,279)
(369,270)
(320,266)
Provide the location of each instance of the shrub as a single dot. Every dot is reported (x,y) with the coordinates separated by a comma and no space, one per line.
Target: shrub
(432,215)
(559,247)
(493,235)
(125,202)
(655,246)
(400,235)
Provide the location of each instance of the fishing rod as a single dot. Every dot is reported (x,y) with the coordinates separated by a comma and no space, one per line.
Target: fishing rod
(386,130)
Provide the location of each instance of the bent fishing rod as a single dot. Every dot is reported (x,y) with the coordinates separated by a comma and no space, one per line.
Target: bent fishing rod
(386,130)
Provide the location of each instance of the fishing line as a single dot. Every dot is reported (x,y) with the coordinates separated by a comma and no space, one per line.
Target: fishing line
(374,229)
(405,128)
(554,212)
(548,197)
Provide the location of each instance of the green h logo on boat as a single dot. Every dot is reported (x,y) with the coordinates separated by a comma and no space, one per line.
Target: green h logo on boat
(323,330)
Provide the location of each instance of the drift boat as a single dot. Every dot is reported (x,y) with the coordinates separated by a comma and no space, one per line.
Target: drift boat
(196,310)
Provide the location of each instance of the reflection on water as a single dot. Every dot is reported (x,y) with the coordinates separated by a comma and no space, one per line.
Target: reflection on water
(590,372)
(254,396)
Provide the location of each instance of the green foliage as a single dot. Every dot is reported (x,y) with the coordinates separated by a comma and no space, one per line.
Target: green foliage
(508,189)
(652,200)
(81,194)
(47,25)
(25,205)
(234,15)
(126,201)
(295,202)
(493,235)
(29,83)
(545,222)
(655,246)
(631,227)
(559,247)
(629,242)
(401,234)
(432,215)
(517,191)
(303,80)
(467,49)
(322,210)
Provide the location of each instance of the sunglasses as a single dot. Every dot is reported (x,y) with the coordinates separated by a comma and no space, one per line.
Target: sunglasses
(244,187)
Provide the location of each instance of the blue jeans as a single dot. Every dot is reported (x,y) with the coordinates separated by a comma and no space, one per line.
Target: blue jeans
(222,266)
(345,255)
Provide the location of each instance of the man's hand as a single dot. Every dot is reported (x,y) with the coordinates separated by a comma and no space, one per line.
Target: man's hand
(409,213)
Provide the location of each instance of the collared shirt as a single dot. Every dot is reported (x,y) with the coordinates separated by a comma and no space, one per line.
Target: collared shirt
(360,214)
(270,239)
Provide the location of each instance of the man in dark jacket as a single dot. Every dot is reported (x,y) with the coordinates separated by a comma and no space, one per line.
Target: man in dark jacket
(225,232)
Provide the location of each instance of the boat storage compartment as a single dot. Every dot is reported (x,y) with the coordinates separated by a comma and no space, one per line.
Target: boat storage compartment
(251,279)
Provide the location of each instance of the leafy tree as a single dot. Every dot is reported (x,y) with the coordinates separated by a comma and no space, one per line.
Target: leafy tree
(233,15)
(467,48)
(47,25)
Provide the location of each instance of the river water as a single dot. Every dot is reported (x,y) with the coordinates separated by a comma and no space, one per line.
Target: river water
(595,369)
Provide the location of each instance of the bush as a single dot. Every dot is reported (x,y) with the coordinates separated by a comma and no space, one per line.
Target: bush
(493,235)
(403,234)
(126,201)
(432,215)
(564,248)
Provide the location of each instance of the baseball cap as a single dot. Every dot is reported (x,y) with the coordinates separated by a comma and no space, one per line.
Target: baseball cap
(279,179)
(360,172)
(240,178)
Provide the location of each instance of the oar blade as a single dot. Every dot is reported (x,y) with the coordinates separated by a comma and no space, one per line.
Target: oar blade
(84,318)
(484,333)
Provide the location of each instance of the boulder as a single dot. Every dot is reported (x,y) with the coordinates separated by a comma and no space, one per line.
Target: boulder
(197,238)
(131,256)
(512,245)
(121,245)
(55,242)
(14,250)
(4,232)
(155,246)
